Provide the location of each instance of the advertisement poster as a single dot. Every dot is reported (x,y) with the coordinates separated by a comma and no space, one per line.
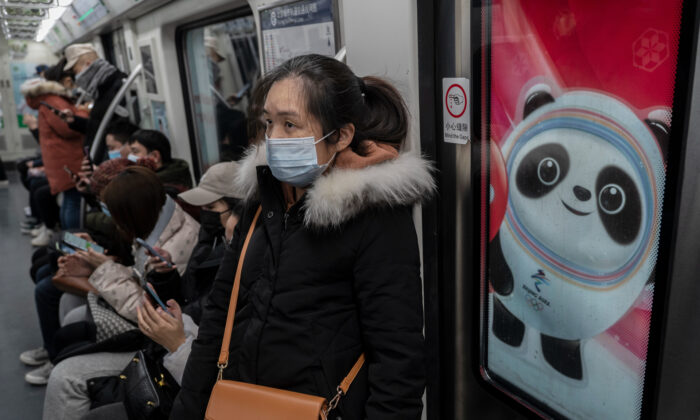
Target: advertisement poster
(581,101)
(301,27)
(160,118)
(21,72)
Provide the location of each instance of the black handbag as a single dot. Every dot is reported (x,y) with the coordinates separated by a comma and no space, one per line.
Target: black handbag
(145,387)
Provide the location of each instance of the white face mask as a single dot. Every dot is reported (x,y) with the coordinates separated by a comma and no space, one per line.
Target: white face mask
(132,157)
(294,160)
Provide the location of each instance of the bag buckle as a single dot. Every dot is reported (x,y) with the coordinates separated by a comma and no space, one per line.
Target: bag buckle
(221,367)
(333,403)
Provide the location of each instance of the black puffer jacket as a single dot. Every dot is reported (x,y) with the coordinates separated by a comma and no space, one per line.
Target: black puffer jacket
(89,126)
(336,275)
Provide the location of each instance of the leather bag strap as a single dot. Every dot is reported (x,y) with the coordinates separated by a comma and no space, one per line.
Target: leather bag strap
(223,355)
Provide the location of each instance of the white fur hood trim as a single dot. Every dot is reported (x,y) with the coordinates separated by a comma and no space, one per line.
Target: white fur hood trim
(344,193)
(39,87)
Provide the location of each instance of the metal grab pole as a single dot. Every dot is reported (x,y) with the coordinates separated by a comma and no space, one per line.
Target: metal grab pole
(113,106)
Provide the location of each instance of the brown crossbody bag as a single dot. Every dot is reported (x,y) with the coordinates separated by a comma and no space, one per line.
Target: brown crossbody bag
(243,401)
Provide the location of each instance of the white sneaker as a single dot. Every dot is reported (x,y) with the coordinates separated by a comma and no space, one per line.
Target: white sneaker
(37,231)
(34,357)
(43,238)
(39,376)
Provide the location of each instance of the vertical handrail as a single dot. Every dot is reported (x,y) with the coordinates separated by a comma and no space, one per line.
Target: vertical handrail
(112,107)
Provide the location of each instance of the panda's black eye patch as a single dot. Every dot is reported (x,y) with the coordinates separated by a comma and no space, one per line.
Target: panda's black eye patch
(541,170)
(619,204)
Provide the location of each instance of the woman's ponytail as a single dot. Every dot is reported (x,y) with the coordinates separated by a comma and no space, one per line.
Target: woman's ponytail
(386,117)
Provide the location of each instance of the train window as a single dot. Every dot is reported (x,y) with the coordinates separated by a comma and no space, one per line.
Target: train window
(575,186)
(222,63)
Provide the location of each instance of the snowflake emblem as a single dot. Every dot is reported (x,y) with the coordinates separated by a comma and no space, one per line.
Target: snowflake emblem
(650,50)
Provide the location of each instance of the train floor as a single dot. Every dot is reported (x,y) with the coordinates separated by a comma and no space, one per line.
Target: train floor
(18,399)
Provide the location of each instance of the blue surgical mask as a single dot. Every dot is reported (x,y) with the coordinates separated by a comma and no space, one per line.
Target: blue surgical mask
(105,210)
(114,154)
(132,157)
(294,160)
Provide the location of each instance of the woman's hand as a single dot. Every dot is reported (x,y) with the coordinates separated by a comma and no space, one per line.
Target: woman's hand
(161,327)
(72,265)
(67,115)
(156,264)
(93,258)
(86,168)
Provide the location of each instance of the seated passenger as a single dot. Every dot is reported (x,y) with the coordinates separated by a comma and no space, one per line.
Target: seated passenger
(136,201)
(67,393)
(71,276)
(153,145)
(117,137)
(332,270)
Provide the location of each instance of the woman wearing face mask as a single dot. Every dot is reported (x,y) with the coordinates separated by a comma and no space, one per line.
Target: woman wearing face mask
(332,269)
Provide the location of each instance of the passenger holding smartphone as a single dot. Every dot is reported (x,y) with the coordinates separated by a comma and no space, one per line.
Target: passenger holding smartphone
(60,147)
(183,295)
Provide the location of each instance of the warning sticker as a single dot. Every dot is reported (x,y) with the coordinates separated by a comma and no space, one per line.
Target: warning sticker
(456,110)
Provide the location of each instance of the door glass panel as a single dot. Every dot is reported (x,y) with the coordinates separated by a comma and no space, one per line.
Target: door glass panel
(580,100)
(222,64)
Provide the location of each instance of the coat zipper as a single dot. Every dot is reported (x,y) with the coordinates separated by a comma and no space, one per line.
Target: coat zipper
(286,216)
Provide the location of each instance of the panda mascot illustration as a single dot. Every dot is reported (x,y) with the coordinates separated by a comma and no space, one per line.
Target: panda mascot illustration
(578,240)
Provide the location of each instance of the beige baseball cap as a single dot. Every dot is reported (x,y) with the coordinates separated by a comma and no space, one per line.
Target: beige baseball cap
(217,182)
(73,53)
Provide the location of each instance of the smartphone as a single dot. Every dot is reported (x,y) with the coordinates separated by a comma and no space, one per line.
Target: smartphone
(80,243)
(64,249)
(153,252)
(71,173)
(51,108)
(155,297)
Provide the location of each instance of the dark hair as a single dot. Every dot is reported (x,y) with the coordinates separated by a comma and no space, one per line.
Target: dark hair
(336,96)
(121,129)
(255,126)
(135,198)
(153,140)
(56,73)
(235,204)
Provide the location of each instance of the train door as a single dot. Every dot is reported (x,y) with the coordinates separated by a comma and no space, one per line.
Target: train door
(561,290)
(219,57)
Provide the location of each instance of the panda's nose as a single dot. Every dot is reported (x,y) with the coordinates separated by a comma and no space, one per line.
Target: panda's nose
(582,193)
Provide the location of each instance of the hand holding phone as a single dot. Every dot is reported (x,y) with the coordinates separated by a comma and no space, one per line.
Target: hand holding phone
(154,253)
(154,296)
(80,243)
(164,327)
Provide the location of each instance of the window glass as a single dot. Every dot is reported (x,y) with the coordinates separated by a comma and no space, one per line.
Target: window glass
(222,65)
(580,108)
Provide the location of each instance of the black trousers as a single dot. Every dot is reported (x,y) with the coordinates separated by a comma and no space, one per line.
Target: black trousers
(46,206)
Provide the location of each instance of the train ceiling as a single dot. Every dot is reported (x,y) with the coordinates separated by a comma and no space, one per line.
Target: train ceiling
(60,22)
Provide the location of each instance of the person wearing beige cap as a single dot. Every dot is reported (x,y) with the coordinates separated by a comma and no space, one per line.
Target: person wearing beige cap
(101,81)
(217,197)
